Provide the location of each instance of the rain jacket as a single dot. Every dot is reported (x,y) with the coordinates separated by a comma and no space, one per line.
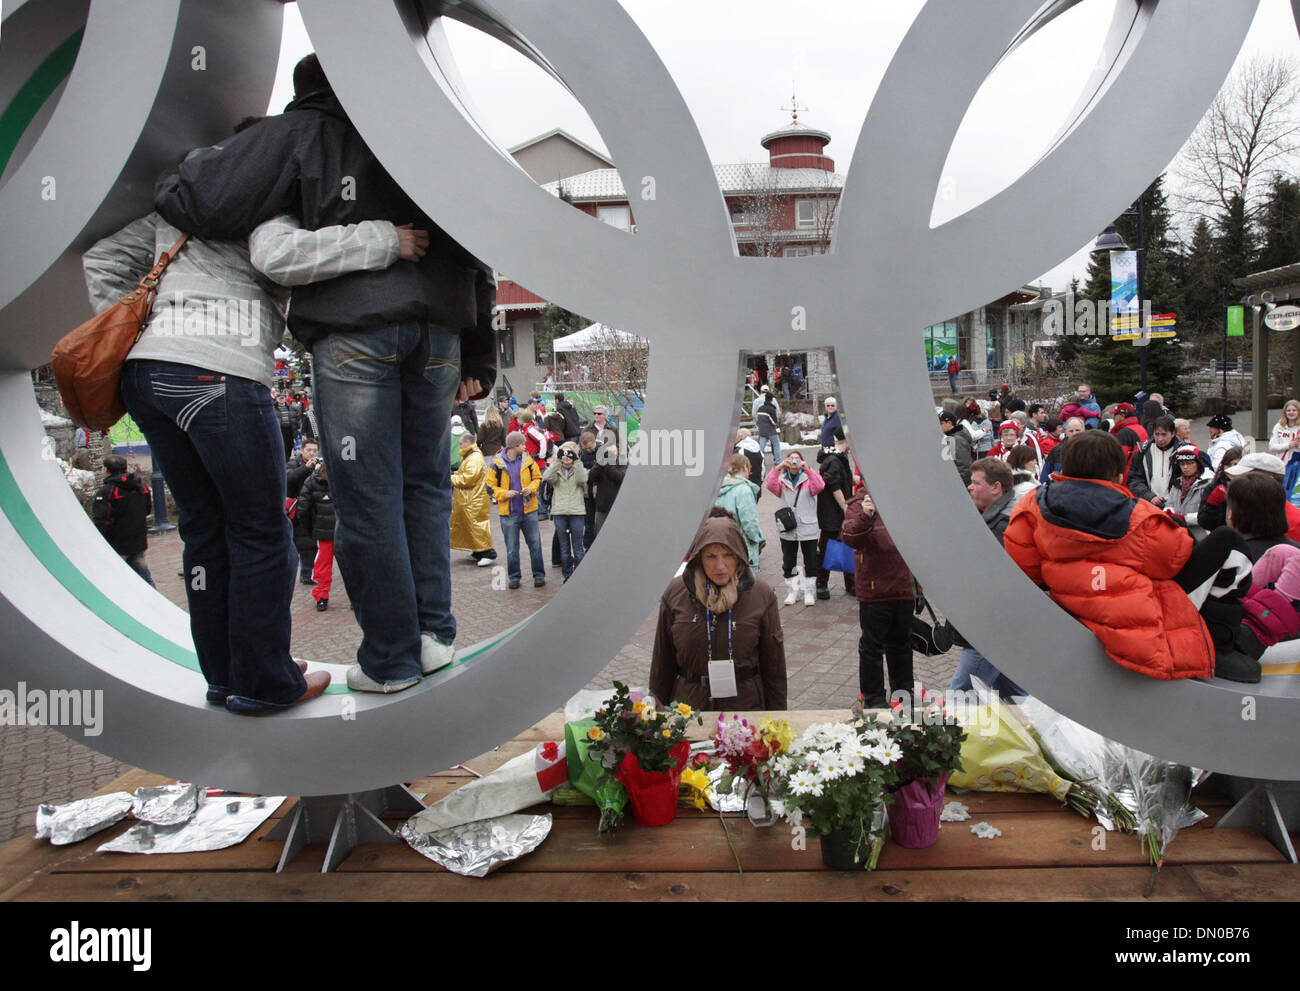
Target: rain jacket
(1109,559)
(739,497)
(498,482)
(471,504)
(679,668)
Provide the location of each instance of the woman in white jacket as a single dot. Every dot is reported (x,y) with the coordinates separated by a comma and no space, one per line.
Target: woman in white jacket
(1286,434)
(797,485)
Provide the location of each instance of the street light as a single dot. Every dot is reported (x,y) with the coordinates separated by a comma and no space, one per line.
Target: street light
(1111,240)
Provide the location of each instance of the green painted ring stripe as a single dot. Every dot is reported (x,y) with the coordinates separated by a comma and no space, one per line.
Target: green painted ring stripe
(28,526)
(31,96)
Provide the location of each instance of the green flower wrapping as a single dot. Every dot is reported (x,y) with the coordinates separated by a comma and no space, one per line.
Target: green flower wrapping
(589,777)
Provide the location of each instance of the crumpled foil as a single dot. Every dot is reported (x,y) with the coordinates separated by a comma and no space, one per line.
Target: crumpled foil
(217,824)
(475,849)
(985,831)
(954,812)
(166,805)
(75,821)
(734,802)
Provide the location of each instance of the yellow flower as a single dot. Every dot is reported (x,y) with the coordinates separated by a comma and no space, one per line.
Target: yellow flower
(668,734)
(638,707)
(684,710)
(776,731)
(696,788)
(595,733)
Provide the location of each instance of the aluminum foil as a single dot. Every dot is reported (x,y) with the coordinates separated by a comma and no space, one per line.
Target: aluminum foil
(735,802)
(166,805)
(213,827)
(478,848)
(75,821)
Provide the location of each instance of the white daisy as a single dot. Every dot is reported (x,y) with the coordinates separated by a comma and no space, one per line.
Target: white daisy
(805,783)
(890,753)
(854,766)
(831,766)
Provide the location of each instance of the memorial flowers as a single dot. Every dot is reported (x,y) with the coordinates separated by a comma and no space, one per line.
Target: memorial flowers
(838,775)
(746,752)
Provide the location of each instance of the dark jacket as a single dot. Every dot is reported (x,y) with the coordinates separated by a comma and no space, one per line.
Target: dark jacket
(120,508)
(1149,463)
(316,508)
(311,162)
(765,418)
(295,473)
(607,480)
(880,573)
(589,462)
(572,422)
(681,654)
(961,451)
(288,413)
(828,429)
(468,415)
(838,476)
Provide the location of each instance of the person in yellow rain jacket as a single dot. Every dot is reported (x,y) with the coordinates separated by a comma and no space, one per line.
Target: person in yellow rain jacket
(513,478)
(471,528)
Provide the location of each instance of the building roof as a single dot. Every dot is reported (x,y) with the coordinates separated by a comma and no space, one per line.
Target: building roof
(796,130)
(562,133)
(601,185)
(1273,279)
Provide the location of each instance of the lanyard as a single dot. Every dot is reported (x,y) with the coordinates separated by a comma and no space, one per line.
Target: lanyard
(708,632)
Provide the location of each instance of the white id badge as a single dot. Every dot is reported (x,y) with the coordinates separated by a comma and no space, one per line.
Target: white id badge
(722,679)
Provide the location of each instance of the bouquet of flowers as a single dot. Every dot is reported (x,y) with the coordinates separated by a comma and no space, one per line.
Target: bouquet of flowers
(930,740)
(838,775)
(645,748)
(590,777)
(746,752)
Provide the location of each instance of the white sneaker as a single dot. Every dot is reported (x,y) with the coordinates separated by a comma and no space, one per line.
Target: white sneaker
(810,591)
(793,585)
(486,562)
(434,656)
(359,681)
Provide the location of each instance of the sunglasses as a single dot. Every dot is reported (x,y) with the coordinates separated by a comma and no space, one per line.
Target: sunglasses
(567,455)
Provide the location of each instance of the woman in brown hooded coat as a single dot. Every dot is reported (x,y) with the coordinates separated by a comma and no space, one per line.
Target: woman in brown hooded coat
(719,593)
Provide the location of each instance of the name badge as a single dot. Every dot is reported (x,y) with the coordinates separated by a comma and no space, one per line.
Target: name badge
(722,679)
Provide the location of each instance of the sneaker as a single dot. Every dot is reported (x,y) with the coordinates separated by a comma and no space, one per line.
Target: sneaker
(538,582)
(322,605)
(434,656)
(823,592)
(307,581)
(359,681)
(514,583)
(485,562)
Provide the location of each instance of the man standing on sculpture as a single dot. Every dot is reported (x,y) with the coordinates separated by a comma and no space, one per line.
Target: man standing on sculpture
(392,352)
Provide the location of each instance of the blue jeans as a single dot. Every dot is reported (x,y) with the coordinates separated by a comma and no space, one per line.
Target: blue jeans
(974,663)
(566,526)
(774,442)
(510,530)
(218,443)
(384,397)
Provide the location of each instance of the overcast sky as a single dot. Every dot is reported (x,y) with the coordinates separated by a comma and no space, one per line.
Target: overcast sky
(737,61)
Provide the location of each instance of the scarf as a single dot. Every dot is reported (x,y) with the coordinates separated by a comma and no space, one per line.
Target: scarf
(715,599)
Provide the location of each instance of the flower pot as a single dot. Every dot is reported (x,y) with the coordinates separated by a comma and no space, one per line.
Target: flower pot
(914,816)
(839,846)
(653,794)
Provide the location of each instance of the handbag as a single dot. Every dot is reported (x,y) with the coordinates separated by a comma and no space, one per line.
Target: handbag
(930,638)
(785,517)
(838,557)
(87,363)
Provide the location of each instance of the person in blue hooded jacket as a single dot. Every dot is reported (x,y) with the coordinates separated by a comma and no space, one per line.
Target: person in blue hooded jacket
(739,497)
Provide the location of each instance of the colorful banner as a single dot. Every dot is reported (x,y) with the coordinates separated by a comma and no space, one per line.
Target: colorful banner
(1123,283)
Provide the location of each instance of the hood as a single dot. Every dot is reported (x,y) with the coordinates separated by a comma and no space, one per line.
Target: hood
(830,452)
(748,444)
(724,531)
(323,101)
(127,482)
(1099,509)
(730,482)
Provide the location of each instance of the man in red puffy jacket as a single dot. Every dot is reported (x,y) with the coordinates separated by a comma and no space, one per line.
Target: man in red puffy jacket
(1160,604)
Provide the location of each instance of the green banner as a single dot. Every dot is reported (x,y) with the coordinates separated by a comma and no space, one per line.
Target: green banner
(1236,321)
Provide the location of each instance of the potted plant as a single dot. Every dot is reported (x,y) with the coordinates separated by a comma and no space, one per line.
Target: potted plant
(747,752)
(646,749)
(930,741)
(839,775)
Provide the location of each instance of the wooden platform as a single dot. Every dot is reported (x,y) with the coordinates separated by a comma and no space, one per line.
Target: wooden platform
(1045,853)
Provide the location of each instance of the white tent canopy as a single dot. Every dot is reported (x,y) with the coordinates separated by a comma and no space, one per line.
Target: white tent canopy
(593,338)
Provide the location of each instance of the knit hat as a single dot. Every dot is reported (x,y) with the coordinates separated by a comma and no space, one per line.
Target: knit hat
(1220,421)
(1187,452)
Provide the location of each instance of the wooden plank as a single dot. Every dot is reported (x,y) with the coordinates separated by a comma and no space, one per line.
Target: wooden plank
(1088,884)
(1246,882)
(1057,839)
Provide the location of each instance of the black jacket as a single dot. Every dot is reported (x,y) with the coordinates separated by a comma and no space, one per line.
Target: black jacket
(295,473)
(607,480)
(838,476)
(311,162)
(468,415)
(316,508)
(120,508)
(572,422)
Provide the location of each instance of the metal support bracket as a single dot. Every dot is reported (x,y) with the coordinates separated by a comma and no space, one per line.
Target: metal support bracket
(343,822)
(1269,806)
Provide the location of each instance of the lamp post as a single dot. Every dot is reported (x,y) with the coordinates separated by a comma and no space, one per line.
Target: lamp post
(1110,241)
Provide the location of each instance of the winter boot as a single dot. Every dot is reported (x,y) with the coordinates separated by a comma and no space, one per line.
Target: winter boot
(810,591)
(792,584)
